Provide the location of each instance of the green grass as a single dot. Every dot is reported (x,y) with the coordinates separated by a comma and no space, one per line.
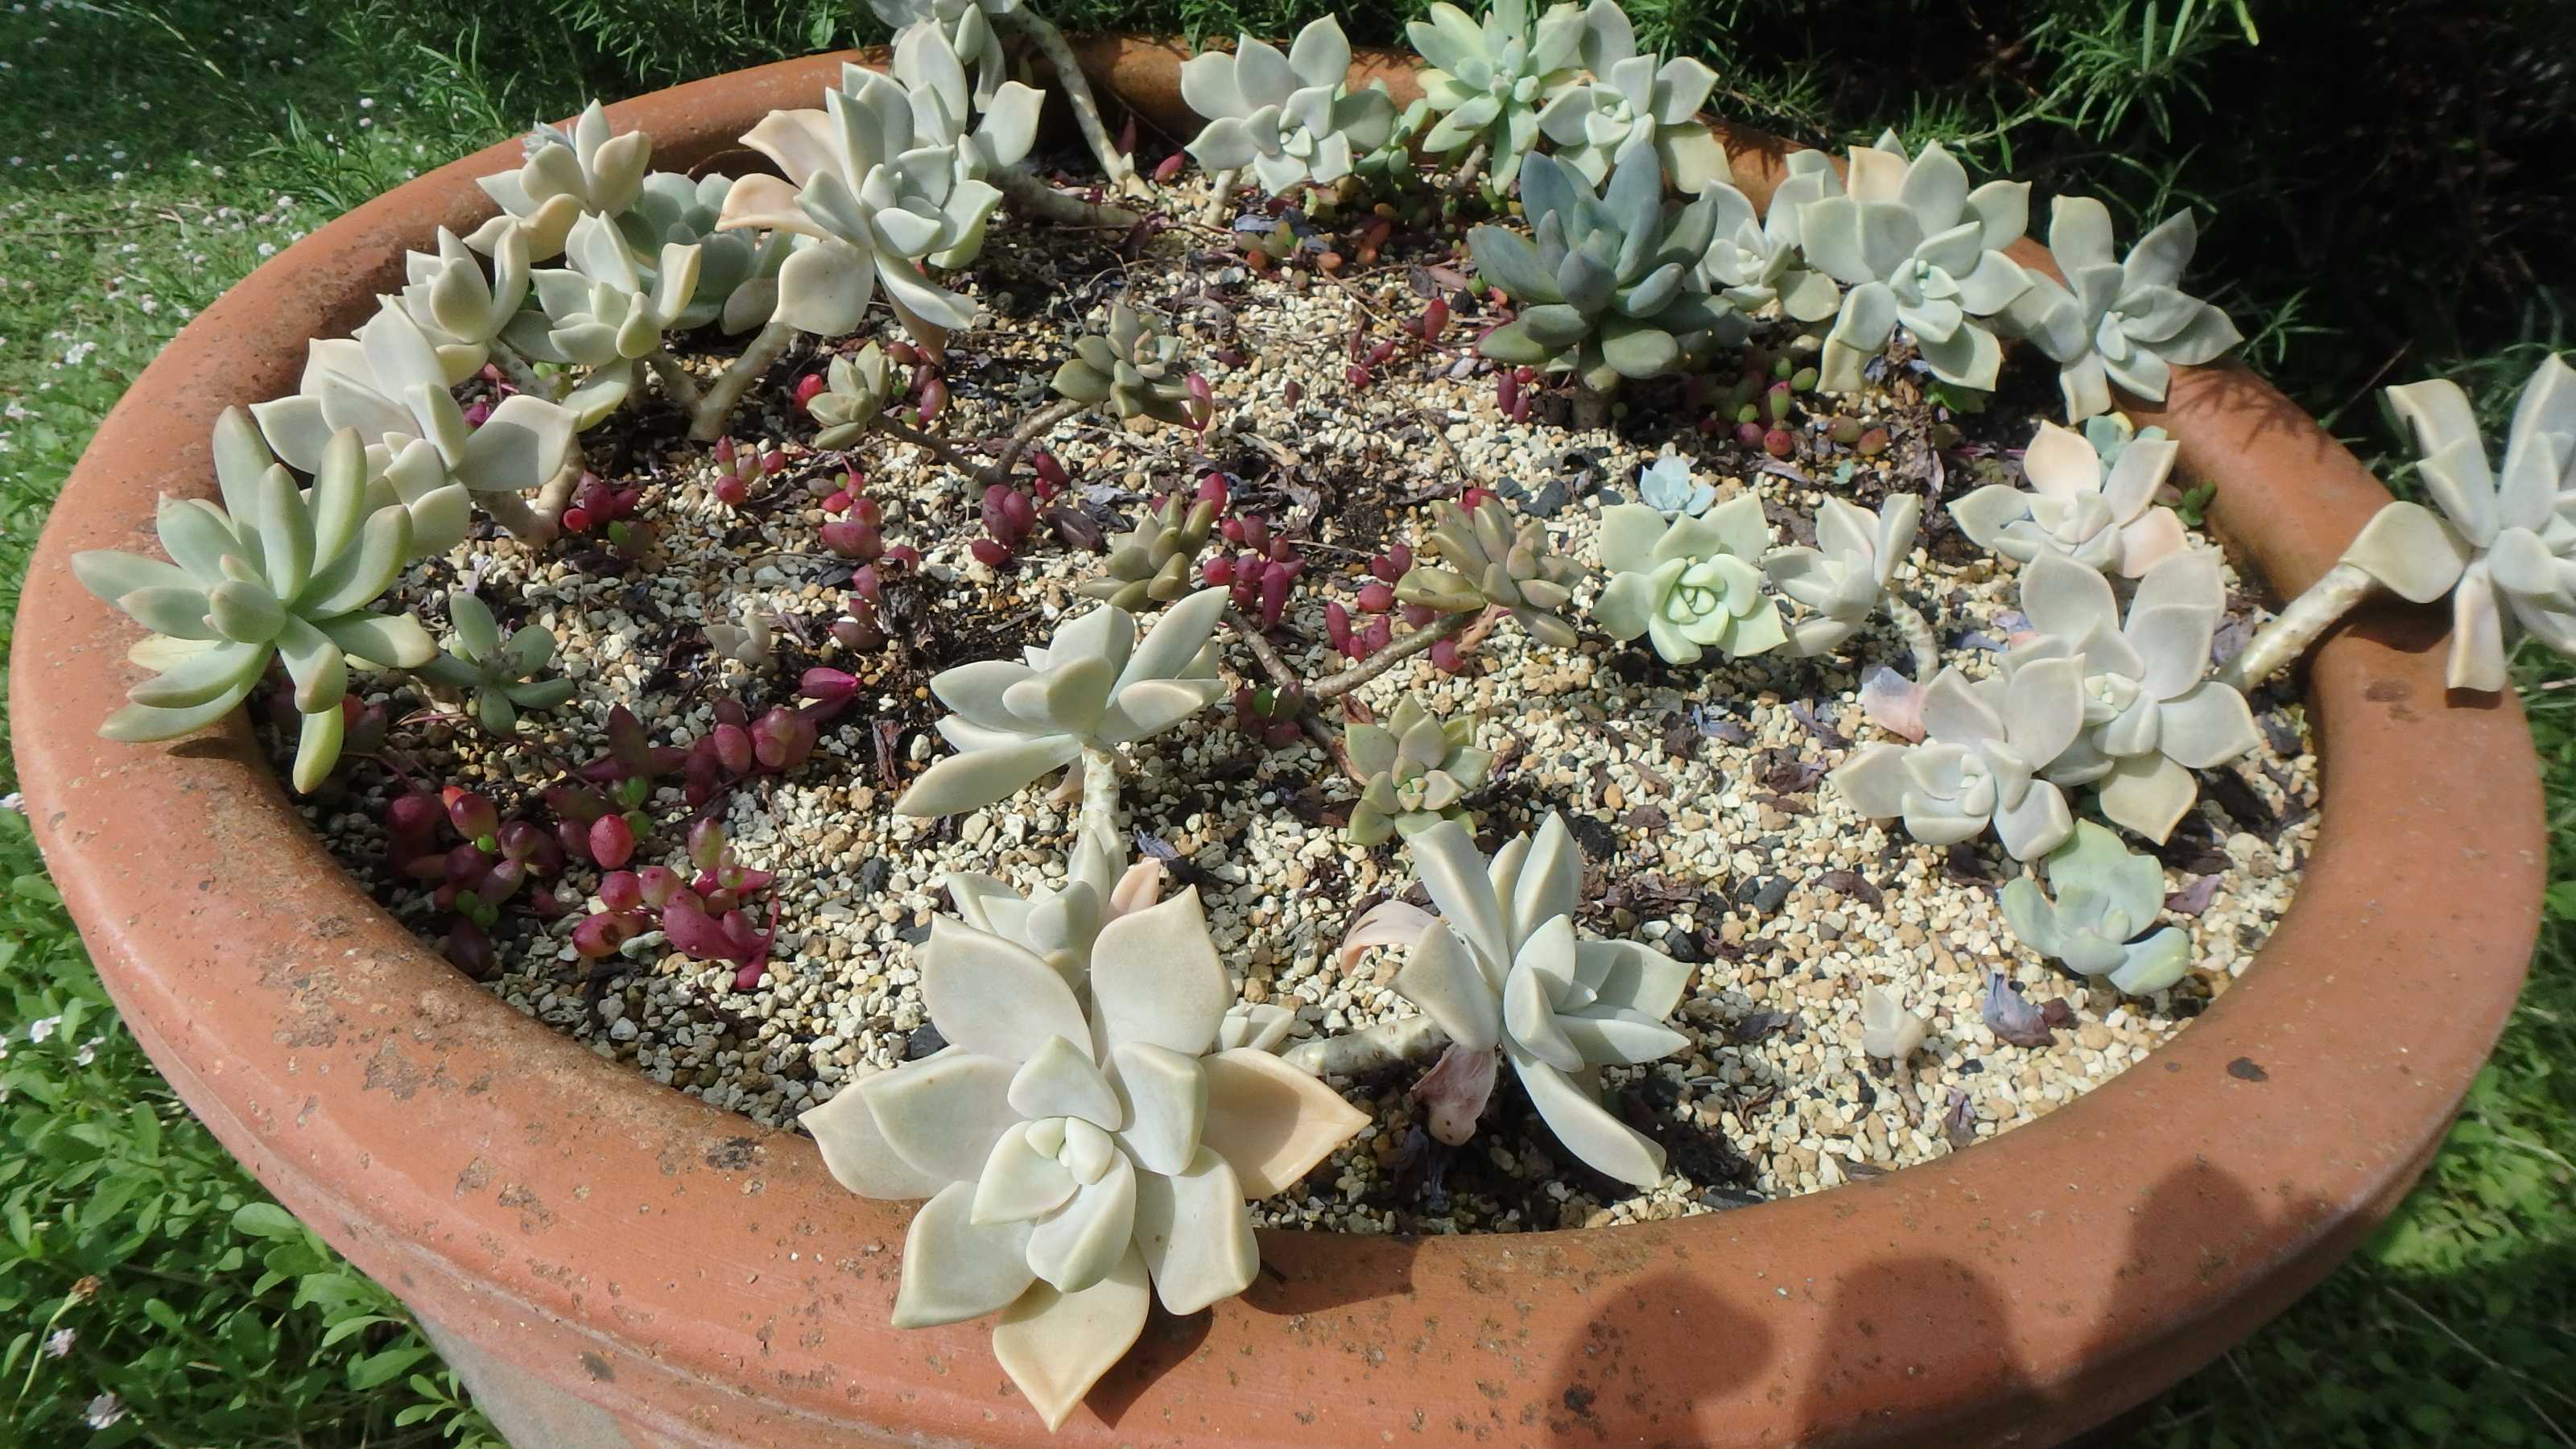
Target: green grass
(150,157)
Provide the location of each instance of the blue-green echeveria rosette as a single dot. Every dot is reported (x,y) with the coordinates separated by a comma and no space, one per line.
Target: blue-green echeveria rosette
(2113,321)
(276,572)
(1502,970)
(1691,584)
(1668,486)
(2151,714)
(1608,284)
(2105,896)
(1095,685)
(737,281)
(1079,1160)
(1289,118)
(1919,250)
(2503,542)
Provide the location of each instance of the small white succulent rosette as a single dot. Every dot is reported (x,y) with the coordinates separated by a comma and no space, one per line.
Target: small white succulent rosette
(1078,1164)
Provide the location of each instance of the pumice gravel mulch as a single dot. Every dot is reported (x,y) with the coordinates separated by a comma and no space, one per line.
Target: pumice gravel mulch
(1696,793)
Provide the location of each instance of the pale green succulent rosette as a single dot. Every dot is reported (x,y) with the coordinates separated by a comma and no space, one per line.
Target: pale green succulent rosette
(1755,262)
(933,75)
(388,385)
(1080,1163)
(1058,924)
(857,387)
(1132,369)
(1690,585)
(2503,544)
(1980,763)
(1418,771)
(2103,518)
(598,313)
(737,280)
(2118,321)
(2104,897)
(1289,118)
(277,572)
(867,203)
(2151,713)
(1489,82)
(584,171)
(1634,103)
(967,27)
(459,308)
(1842,579)
(1502,970)
(1608,286)
(1918,250)
(499,675)
(1095,686)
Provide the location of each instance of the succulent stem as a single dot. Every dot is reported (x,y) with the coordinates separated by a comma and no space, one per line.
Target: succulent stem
(551,501)
(1464,179)
(933,443)
(677,385)
(1116,169)
(1220,196)
(1099,793)
(1030,429)
(513,514)
(1917,633)
(518,371)
(1335,686)
(1389,1043)
(2307,616)
(1031,196)
(1284,675)
(715,407)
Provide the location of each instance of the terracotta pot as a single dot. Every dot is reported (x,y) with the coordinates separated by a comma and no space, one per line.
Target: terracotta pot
(610,1262)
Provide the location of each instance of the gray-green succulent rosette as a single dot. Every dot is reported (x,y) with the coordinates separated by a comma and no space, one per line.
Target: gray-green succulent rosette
(2118,321)
(1289,118)
(1691,584)
(1488,82)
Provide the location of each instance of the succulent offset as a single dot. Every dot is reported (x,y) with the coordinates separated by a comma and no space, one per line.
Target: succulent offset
(1921,251)
(1058,924)
(1691,584)
(1842,579)
(2151,714)
(857,387)
(1290,119)
(1494,563)
(866,205)
(2504,540)
(2118,321)
(1078,1164)
(1755,262)
(1501,970)
(1633,103)
(1981,762)
(601,314)
(388,384)
(459,308)
(1418,771)
(737,280)
(568,174)
(276,572)
(2103,519)
(1668,486)
(2104,897)
(1094,687)
(966,25)
(1132,368)
(499,675)
(1156,561)
(1489,81)
(1607,284)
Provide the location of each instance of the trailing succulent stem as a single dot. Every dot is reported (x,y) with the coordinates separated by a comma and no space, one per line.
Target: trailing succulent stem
(2317,608)
(1393,1043)
(714,410)
(1916,631)
(1119,171)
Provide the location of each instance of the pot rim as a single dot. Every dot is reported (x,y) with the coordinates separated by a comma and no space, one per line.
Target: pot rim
(706,1279)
